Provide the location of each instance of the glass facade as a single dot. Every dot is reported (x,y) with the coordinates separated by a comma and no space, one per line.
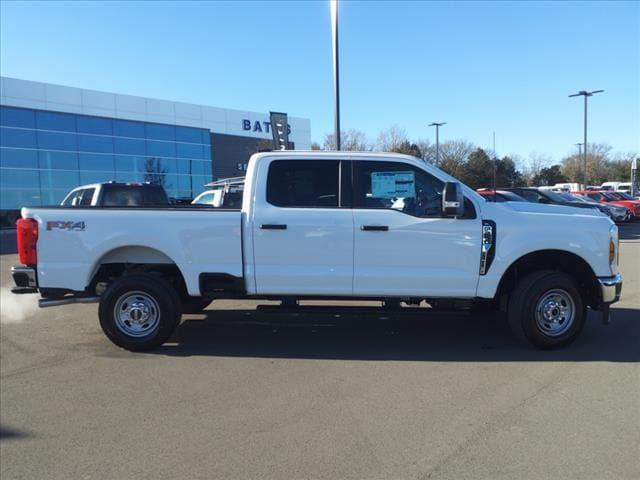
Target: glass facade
(45,154)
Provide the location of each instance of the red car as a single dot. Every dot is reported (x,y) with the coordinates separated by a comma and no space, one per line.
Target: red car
(609,197)
(499,195)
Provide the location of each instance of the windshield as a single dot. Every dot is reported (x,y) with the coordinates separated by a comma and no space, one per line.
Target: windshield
(625,196)
(609,196)
(581,198)
(595,196)
(566,196)
(555,196)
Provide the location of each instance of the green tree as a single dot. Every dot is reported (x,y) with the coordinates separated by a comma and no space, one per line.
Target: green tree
(453,156)
(478,170)
(549,176)
(407,148)
(507,175)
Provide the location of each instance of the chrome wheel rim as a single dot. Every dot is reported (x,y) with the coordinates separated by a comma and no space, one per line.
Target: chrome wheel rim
(136,314)
(555,312)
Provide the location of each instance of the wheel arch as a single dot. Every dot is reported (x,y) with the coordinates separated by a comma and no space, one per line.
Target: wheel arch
(559,260)
(123,260)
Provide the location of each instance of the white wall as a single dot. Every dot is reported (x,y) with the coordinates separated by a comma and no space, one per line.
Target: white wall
(46,96)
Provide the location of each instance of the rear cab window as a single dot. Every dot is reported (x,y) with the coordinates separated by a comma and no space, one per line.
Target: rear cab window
(304,183)
(133,196)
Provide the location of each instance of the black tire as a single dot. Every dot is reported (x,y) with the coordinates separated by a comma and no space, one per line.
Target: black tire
(522,315)
(152,296)
(195,305)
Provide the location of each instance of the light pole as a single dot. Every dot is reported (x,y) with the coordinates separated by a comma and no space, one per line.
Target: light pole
(579,145)
(333,4)
(437,125)
(585,94)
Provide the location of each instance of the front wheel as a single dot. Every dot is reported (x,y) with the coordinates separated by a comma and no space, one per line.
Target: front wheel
(139,312)
(546,309)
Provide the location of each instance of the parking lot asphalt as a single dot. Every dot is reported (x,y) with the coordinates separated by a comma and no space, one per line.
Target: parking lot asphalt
(246,394)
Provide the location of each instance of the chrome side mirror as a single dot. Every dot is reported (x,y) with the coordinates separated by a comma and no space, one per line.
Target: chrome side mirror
(452,200)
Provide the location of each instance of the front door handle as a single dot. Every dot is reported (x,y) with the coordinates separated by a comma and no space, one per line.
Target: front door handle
(374,228)
(273,226)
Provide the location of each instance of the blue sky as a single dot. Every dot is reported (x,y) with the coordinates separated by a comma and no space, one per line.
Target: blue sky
(480,66)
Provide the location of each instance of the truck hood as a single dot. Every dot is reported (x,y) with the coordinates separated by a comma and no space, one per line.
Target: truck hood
(544,209)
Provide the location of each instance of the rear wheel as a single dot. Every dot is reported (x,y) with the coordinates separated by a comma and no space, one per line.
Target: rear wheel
(139,312)
(546,309)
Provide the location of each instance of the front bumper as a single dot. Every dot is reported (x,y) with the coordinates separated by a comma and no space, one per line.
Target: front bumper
(610,288)
(25,278)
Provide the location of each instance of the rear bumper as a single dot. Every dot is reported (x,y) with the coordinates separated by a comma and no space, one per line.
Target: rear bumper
(610,288)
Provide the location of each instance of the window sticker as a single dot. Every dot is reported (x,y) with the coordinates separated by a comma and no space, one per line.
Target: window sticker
(393,184)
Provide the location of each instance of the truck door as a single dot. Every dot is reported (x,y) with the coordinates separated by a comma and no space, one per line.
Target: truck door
(403,246)
(302,234)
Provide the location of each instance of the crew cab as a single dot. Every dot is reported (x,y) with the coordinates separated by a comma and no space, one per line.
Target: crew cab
(326,225)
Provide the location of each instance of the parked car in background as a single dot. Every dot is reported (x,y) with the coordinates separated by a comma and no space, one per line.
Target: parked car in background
(181,200)
(568,187)
(624,187)
(499,195)
(225,193)
(610,185)
(610,198)
(617,213)
(114,194)
(624,196)
(549,197)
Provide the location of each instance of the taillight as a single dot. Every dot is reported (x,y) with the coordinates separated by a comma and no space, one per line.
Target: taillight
(27,232)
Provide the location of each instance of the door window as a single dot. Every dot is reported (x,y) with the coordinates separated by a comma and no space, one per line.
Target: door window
(87,196)
(205,199)
(397,186)
(72,199)
(303,183)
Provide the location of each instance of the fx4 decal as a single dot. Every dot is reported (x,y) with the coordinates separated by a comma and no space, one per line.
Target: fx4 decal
(69,226)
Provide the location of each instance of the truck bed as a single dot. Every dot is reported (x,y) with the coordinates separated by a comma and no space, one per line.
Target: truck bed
(74,242)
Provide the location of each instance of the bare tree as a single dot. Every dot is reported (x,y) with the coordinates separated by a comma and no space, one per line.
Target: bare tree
(427,149)
(350,140)
(154,171)
(391,139)
(454,155)
(535,164)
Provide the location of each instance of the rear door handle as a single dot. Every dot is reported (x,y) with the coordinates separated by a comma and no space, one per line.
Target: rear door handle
(374,228)
(273,226)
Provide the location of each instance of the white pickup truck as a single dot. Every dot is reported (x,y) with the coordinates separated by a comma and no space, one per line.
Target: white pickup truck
(326,225)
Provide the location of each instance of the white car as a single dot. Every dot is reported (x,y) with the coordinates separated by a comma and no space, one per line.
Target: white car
(327,225)
(225,193)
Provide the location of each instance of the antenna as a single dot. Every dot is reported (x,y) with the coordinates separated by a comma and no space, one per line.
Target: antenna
(495,168)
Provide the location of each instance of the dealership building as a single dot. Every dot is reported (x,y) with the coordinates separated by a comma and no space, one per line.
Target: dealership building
(54,138)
